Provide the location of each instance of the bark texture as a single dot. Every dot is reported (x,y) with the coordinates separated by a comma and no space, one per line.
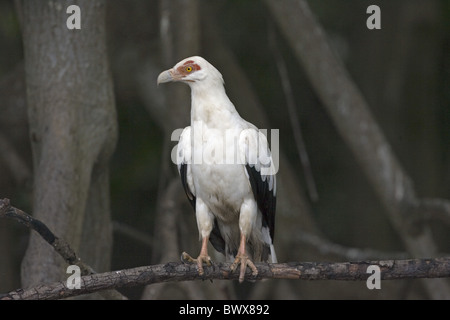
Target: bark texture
(73,129)
(177,271)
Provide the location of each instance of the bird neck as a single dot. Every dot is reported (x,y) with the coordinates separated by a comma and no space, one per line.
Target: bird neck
(211,106)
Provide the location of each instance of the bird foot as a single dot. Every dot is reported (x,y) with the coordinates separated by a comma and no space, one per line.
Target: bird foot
(185,257)
(244,261)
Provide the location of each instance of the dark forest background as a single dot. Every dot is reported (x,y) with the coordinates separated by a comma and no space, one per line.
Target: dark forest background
(402,71)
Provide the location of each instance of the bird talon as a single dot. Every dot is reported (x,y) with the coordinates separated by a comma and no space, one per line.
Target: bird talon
(245,262)
(201,259)
(200,270)
(253,267)
(186,258)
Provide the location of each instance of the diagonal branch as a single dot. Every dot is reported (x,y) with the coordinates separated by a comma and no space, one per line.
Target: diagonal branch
(173,271)
(59,245)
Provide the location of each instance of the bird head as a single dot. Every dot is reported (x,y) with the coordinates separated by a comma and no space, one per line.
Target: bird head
(192,70)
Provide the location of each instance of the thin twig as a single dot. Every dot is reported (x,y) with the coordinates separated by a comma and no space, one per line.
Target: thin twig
(293,116)
(326,247)
(132,233)
(434,210)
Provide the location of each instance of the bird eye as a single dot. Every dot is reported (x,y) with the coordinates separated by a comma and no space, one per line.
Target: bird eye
(188,69)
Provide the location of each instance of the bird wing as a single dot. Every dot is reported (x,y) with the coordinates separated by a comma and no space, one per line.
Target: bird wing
(184,156)
(260,170)
(184,160)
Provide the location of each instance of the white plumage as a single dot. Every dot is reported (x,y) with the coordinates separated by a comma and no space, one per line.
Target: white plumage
(227,171)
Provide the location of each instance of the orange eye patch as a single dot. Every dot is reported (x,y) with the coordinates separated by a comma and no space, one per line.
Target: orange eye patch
(188,67)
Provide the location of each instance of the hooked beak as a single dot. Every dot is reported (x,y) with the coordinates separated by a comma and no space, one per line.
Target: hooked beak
(165,76)
(168,76)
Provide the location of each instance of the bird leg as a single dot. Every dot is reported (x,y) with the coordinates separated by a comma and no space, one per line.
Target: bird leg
(202,258)
(242,258)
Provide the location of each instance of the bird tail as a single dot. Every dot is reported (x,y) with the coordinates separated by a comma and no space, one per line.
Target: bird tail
(273,255)
(269,250)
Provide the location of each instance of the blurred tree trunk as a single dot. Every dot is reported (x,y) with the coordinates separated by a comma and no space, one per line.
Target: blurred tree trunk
(73,130)
(352,116)
(15,166)
(180,38)
(6,267)
(402,84)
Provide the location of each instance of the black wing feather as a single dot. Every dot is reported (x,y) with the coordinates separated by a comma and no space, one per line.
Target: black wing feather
(215,237)
(183,175)
(265,198)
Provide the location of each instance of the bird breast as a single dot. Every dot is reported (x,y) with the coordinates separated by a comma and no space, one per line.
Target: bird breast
(223,187)
(219,177)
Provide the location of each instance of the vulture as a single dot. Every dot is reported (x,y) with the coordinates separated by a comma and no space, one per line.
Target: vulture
(227,172)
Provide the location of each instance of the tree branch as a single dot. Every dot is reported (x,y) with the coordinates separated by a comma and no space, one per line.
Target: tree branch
(60,245)
(173,271)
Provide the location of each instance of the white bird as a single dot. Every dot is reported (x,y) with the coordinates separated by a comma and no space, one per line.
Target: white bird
(227,172)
